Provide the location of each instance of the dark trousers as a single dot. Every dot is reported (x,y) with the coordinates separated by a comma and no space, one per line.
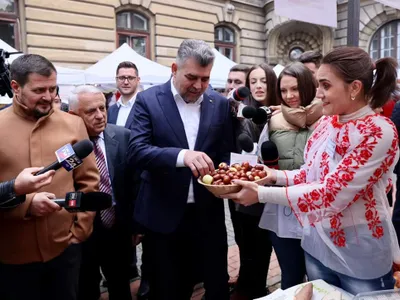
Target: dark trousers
(174,258)
(235,218)
(255,255)
(55,279)
(396,210)
(291,260)
(110,250)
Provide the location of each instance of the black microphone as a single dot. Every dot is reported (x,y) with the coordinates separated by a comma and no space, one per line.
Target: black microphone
(70,158)
(79,201)
(263,115)
(236,98)
(249,112)
(269,154)
(240,94)
(246,143)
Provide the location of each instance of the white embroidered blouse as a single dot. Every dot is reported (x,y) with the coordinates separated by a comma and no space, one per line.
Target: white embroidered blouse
(339,194)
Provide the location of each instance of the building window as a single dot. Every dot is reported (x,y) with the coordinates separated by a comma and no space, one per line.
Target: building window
(225,41)
(8,22)
(386,42)
(133,29)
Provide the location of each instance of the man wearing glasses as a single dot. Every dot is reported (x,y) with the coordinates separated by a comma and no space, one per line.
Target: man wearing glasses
(128,82)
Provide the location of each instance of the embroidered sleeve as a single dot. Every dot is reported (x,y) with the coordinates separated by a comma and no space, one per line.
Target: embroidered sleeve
(353,178)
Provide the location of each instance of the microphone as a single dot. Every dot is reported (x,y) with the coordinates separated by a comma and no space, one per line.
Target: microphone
(239,94)
(270,155)
(249,112)
(263,115)
(70,157)
(246,143)
(236,96)
(259,115)
(79,201)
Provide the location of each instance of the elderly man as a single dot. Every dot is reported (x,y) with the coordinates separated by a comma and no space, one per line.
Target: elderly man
(179,132)
(40,242)
(109,245)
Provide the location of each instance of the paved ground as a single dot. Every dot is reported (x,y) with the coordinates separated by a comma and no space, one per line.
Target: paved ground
(274,274)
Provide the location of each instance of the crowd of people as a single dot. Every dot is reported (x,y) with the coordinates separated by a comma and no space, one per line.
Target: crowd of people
(325,212)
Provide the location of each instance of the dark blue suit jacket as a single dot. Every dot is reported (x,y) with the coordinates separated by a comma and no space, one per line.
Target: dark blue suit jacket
(157,137)
(116,140)
(112,114)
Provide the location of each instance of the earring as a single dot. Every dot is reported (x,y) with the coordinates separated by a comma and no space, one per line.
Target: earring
(353,98)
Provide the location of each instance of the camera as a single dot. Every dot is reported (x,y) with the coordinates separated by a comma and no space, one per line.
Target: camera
(5,80)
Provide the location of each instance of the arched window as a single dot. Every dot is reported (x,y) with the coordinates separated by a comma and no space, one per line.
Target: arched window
(133,29)
(225,41)
(8,22)
(386,41)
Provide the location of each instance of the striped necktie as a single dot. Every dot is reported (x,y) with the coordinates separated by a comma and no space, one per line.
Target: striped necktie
(108,215)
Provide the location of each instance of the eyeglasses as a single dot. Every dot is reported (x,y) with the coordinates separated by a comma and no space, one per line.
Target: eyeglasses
(123,78)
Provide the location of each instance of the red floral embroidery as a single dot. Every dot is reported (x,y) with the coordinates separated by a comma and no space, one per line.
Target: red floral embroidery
(324,165)
(337,234)
(343,147)
(345,172)
(300,178)
(320,128)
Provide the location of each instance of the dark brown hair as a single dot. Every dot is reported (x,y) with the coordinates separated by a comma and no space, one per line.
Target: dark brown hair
(305,83)
(271,86)
(28,64)
(127,65)
(240,68)
(311,57)
(352,63)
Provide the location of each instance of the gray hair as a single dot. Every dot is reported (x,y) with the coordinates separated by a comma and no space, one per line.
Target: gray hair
(73,97)
(197,49)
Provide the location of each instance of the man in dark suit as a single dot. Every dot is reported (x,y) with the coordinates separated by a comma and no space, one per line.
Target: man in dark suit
(109,245)
(179,133)
(128,84)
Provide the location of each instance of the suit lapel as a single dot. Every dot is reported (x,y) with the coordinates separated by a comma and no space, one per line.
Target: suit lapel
(206,116)
(171,112)
(111,150)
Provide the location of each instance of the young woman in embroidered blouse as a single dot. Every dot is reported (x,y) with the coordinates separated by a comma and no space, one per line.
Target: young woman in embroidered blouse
(339,194)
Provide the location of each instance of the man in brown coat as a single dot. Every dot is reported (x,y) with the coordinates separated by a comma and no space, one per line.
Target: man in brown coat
(40,242)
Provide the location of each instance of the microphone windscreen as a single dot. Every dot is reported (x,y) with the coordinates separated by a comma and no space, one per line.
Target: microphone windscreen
(95,201)
(269,153)
(83,148)
(249,112)
(242,93)
(245,142)
(260,117)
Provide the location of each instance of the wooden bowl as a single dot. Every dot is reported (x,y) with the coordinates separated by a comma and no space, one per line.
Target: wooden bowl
(218,190)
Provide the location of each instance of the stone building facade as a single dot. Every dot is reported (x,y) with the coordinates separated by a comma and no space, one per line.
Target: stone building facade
(77,33)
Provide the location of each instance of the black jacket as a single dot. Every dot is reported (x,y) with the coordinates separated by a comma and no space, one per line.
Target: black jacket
(8,199)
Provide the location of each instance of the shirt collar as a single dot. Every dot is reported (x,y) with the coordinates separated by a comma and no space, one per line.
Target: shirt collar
(100,136)
(178,96)
(129,103)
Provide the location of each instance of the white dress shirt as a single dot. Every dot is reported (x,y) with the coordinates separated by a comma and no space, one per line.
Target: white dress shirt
(124,110)
(190,115)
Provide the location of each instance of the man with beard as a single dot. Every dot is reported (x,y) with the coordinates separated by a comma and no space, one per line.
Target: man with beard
(40,241)
(128,82)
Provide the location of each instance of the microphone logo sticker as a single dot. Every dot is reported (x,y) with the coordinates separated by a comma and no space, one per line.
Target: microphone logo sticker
(72,203)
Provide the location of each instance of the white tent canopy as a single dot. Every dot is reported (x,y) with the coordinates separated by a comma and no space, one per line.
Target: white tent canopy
(220,70)
(103,72)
